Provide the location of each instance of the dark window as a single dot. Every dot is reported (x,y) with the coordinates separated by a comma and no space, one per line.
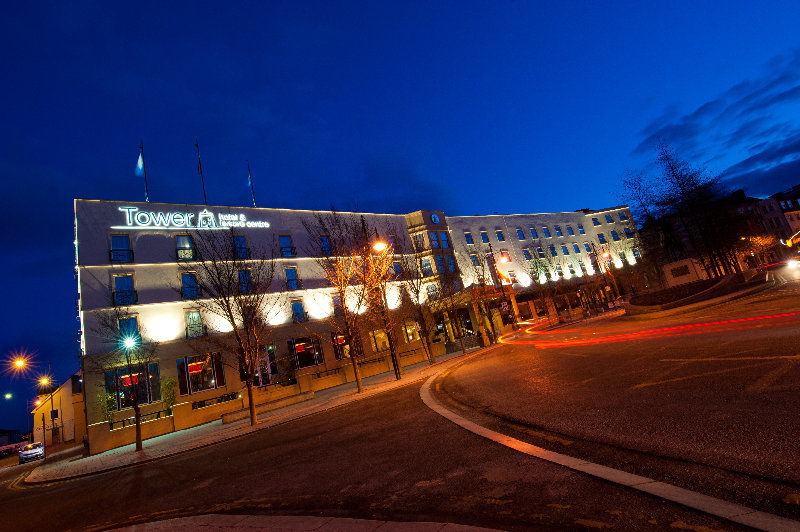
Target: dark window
(474,259)
(124,294)
(468,237)
(520,234)
(434,239)
(587,247)
(451,265)
(571,269)
(298,312)
(444,240)
(576,248)
(398,269)
(292,281)
(553,251)
(419,241)
(120,249)
(245,281)
(527,254)
(240,249)
(580,229)
(595,221)
(77,383)
(129,326)
(338,309)
(484,237)
(540,252)
(609,219)
(189,288)
(636,253)
(558,230)
(439,264)
(546,232)
(570,232)
(601,238)
(286,245)
(564,250)
(628,232)
(614,236)
(534,234)
(325,245)
(199,373)
(433,291)
(500,237)
(184,247)
(622,216)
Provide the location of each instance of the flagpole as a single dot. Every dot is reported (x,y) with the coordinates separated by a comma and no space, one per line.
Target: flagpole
(250,182)
(144,171)
(200,169)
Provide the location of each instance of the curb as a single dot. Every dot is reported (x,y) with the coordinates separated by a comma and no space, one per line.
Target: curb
(633,310)
(263,424)
(711,505)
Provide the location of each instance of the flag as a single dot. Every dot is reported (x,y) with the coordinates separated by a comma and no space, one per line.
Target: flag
(140,166)
(249,179)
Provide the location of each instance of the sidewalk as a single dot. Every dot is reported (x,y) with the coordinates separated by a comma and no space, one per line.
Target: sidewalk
(293,523)
(215,432)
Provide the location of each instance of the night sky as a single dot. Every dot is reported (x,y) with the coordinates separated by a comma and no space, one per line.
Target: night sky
(466,107)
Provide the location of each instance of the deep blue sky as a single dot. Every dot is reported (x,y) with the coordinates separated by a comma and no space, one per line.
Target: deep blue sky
(467,107)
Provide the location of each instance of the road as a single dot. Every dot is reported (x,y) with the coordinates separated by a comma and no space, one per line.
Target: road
(710,407)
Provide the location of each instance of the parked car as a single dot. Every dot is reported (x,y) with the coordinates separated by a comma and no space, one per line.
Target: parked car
(32,451)
(12,448)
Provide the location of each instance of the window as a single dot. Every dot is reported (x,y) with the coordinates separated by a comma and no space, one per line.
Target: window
(622,216)
(474,259)
(194,324)
(595,221)
(582,267)
(520,234)
(123,386)
(636,253)
(484,237)
(580,229)
(123,293)
(558,230)
(527,254)
(433,291)
(559,271)
(439,264)
(286,245)
(306,352)
(444,240)
(540,252)
(298,312)
(571,269)
(564,249)
(245,281)
(410,330)
(120,249)
(587,247)
(425,267)
(504,254)
(240,250)
(570,232)
(576,248)
(189,288)
(546,232)
(378,340)
(397,268)
(601,238)
(468,237)
(292,280)
(622,256)
(512,276)
(325,245)
(434,240)
(534,234)
(184,247)
(614,236)
(500,237)
(419,241)
(553,252)
(628,232)
(199,373)
(129,327)
(609,219)
(341,349)
(451,265)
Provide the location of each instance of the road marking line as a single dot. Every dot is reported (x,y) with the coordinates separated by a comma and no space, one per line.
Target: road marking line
(693,499)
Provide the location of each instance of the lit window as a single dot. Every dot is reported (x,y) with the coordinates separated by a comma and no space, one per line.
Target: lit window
(520,234)
(124,294)
(425,267)
(558,230)
(194,324)
(444,240)
(601,238)
(553,251)
(484,237)
(534,234)
(199,373)
(474,259)
(570,232)
(189,287)
(564,249)
(500,237)
(410,329)
(306,352)
(468,237)
(527,254)
(576,248)
(505,255)
(419,241)
(379,340)
(287,246)
(433,291)
(185,247)
(609,219)
(595,221)
(614,236)
(292,280)
(120,249)
(580,229)
(434,238)
(546,232)
(512,276)
(124,388)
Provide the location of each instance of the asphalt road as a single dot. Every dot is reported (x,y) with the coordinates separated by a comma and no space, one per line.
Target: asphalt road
(388,457)
(708,400)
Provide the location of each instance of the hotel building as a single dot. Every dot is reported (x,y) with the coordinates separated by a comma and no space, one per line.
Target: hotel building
(139,257)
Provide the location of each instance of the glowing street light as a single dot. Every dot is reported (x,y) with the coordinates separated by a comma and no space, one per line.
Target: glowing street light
(44,381)
(8,396)
(19,363)
(129,342)
(379,246)
(38,402)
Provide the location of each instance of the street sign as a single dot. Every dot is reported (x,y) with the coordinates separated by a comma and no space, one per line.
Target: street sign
(504,306)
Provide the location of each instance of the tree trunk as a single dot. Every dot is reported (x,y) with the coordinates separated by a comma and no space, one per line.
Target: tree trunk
(251,402)
(356,372)
(393,354)
(137,415)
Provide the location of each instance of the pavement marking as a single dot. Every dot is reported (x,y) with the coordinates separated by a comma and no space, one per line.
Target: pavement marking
(736,513)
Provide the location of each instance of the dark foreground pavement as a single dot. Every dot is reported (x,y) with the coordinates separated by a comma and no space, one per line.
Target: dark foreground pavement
(385,458)
(713,408)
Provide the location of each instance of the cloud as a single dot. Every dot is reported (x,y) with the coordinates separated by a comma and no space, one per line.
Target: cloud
(744,131)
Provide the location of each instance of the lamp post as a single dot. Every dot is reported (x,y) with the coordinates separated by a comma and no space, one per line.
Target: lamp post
(382,248)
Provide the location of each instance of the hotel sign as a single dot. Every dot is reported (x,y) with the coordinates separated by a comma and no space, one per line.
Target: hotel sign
(184,221)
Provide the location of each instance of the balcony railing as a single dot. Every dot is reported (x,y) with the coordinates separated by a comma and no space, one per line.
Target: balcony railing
(125,297)
(185,254)
(196,331)
(288,251)
(299,317)
(129,421)
(120,255)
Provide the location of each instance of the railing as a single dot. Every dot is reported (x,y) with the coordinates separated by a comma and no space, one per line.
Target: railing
(285,382)
(370,361)
(125,297)
(215,400)
(288,251)
(185,254)
(127,422)
(196,331)
(328,373)
(120,255)
(299,317)
(411,352)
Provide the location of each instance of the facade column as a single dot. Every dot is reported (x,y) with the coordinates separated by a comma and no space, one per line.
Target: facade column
(448,327)
(477,318)
(514,306)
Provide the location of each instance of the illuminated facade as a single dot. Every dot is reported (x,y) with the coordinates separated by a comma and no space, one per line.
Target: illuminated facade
(136,256)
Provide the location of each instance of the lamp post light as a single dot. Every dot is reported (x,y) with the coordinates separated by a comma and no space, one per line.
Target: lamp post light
(382,248)
(8,396)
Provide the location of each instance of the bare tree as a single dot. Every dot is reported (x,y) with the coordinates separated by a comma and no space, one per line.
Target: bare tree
(414,306)
(451,295)
(378,274)
(125,365)
(237,285)
(484,281)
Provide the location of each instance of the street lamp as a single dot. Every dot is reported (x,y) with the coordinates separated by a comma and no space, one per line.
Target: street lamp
(382,248)
(44,381)
(129,342)
(379,246)
(8,396)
